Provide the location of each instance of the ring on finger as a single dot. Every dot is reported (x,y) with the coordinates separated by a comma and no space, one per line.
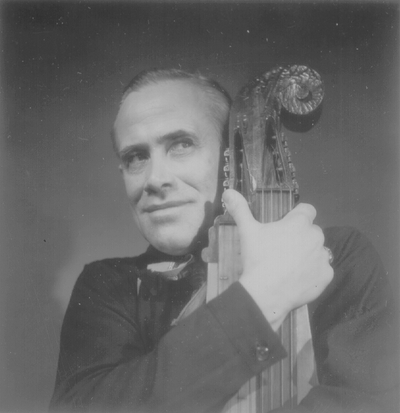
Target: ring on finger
(330,255)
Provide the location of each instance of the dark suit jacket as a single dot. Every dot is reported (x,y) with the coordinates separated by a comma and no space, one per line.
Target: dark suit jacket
(120,353)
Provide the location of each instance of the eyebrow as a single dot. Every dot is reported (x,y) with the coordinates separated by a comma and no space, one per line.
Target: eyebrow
(181,133)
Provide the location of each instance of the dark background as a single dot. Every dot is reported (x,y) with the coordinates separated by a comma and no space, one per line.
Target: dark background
(63,67)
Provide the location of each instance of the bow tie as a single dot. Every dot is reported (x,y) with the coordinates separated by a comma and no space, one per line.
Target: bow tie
(171,270)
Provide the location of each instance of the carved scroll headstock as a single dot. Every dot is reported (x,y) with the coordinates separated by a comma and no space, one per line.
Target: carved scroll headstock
(259,156)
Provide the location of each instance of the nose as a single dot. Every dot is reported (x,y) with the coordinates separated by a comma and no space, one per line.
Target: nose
(159,176)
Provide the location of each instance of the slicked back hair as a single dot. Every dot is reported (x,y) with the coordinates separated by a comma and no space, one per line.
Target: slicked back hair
(218,98)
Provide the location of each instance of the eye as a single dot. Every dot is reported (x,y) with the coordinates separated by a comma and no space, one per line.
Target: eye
(134,162)
(181,147)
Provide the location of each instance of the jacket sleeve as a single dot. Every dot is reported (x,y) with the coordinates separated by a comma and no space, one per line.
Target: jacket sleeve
(104,364)
(355,333)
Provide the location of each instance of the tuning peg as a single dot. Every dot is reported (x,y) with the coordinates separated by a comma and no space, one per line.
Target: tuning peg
(226,153)
(288,155)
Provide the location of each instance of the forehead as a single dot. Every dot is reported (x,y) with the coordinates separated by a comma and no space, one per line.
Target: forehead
(158,109)
(162,99)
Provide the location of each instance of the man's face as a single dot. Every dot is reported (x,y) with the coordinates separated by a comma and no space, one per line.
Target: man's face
(170,150)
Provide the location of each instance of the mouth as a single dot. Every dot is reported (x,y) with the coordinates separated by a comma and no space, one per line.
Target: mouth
(166,205)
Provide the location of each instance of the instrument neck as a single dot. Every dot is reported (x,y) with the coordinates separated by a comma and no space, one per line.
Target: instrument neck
(271,205)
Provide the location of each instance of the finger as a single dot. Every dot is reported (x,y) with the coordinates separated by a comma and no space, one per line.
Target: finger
(303,210)
(239,209)
(329,254)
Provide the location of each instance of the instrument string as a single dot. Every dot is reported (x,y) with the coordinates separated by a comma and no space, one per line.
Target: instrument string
(280,202)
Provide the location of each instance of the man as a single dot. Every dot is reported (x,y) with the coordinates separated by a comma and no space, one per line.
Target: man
(122,348)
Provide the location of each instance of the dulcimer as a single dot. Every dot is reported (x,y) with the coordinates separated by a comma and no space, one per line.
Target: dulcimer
(258,164)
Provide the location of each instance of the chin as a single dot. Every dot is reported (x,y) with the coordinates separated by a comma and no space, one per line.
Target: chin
(173,241)
(176,239)
(171,248)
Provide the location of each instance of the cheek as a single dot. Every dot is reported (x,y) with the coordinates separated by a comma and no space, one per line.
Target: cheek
(212,184)
(208,177)
(133,188)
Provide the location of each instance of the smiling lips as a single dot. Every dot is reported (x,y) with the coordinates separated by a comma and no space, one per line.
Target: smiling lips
(166,205)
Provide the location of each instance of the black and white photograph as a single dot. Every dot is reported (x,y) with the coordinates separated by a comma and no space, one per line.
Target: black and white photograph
(199,206)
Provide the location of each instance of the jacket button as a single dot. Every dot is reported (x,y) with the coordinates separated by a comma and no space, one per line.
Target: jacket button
(262,353)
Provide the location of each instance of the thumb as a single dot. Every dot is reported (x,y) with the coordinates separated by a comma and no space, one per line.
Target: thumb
(239,209)
(306,210)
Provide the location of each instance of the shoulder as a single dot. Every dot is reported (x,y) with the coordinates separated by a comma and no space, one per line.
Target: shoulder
(107,279)
(111,267)
(351,248)
(359,275)
(347,237)
(104,288)
(109,270)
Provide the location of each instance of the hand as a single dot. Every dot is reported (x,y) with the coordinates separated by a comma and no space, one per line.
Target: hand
(284,263)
